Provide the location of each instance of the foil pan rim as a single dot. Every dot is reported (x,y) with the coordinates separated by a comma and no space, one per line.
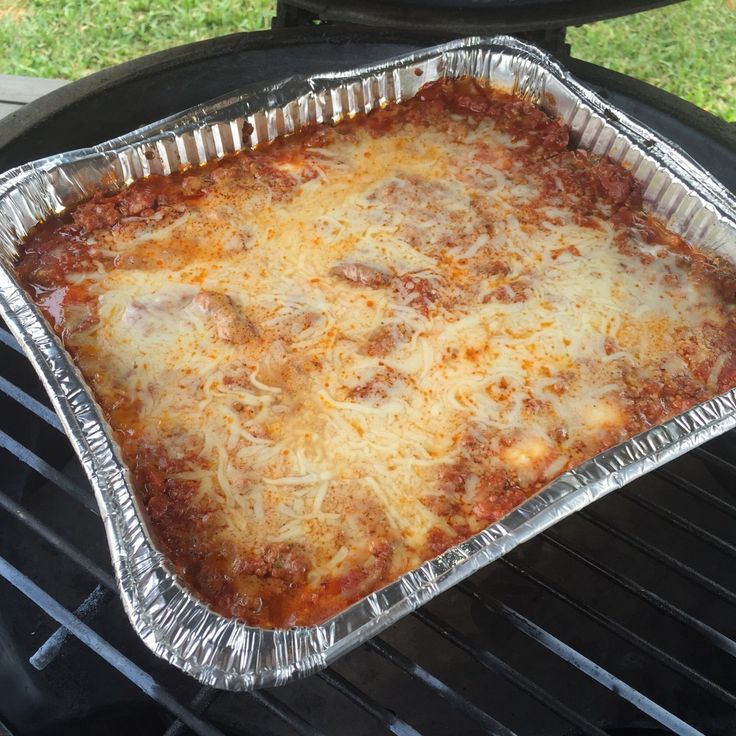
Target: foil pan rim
(174,624)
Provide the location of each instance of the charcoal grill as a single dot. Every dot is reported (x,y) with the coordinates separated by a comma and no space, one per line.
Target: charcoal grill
(619,620)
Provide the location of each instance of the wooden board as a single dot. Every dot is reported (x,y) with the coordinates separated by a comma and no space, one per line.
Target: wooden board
(20,90)
(6,108)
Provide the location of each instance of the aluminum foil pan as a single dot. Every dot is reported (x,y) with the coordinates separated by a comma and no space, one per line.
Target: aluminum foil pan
(168,617)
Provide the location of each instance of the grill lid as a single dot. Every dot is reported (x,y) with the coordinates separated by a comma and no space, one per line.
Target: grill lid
(461,16)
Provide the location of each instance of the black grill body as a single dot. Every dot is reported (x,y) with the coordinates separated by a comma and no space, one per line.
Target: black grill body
(619,620)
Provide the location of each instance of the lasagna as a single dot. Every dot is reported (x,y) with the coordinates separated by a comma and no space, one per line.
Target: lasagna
(329,359)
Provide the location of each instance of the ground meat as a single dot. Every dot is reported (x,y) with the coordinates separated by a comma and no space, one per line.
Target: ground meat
(141,199)
(231,324)
(138,200)
(452,479)
(722,274)
(96,215)
(571,249)
(497,493)
(211,581)
(513,293)
(384,340)
(535,407)
(281,184)
(557,136)
(257,582)
(191,186)
(473,104)
(487,263)
(182,523)
(450,500)
(369,574)
(418,291)
(559,434)
(610,346)
(615,184)
(152,466)
(523,120)
(281,561)
(658,398)
(359,273)
(703,349)
(438,541)
(378,387)
(292,327)
(623,217)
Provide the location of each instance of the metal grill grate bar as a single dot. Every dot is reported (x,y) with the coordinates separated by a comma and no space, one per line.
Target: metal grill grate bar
(494,664)
(657,554)
(390,720)
(57,541)
(677,520)
(104,649)
(86,610)
(207,695)
(285,713)
(52,646)
(6,338)
(626,634)
(445,691)
(582,663)
(26,400)
(51,474)
(715,637)
(712,459)
(697,491)
(199,703)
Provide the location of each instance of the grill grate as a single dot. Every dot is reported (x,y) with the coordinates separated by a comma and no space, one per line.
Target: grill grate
(591,625)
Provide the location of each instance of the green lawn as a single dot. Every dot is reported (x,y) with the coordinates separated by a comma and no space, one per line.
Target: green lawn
(688,48)
(72,38)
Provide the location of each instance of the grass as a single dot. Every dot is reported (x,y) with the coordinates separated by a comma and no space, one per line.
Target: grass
(71,38)
(688,48)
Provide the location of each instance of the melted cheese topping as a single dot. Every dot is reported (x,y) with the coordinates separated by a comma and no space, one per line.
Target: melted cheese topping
(490,334)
